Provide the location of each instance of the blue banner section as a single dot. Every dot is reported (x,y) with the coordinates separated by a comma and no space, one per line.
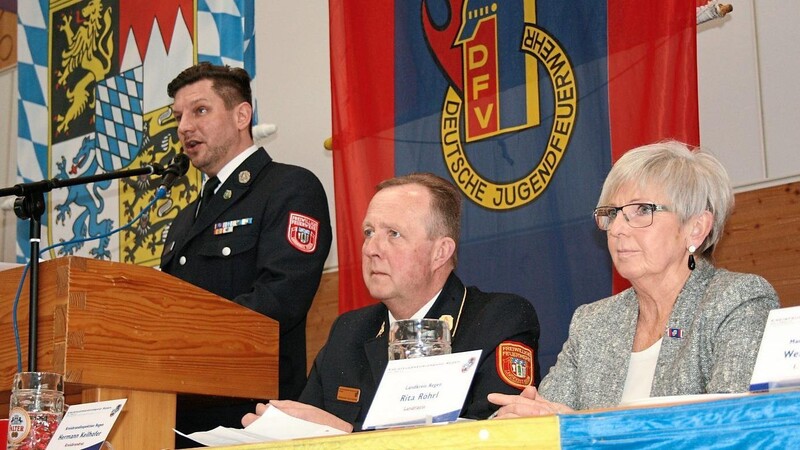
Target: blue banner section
(755,421)
(510,102)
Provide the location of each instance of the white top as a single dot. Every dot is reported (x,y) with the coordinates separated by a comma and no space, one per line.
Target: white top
(641,370)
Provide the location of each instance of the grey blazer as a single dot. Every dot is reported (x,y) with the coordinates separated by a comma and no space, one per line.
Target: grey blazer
(709,346)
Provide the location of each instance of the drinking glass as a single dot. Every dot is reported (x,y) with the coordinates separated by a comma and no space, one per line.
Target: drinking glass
(35,409)
(415,338)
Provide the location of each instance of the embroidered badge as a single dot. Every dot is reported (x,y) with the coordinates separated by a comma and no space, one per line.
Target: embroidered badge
(302,232)
(515,364)
(227,227)
(348,394)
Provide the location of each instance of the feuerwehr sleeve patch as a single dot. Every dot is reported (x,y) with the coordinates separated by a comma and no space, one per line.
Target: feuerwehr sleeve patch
(302,232)
(515,364)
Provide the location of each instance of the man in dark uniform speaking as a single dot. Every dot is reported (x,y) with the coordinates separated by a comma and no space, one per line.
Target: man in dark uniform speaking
(411,233)
(260,232)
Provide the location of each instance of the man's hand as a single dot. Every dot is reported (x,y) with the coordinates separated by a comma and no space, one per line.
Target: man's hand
(251,417)
(527,403)
(300,411)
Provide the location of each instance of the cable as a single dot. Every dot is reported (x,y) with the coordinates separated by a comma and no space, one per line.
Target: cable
(156,197)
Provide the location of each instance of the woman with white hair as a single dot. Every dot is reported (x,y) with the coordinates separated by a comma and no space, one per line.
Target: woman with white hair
(685,326)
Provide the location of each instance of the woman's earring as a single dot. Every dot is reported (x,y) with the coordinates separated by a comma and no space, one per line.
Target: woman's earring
(692,248)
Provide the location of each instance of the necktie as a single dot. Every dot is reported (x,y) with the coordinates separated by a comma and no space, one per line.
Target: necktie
(208,192)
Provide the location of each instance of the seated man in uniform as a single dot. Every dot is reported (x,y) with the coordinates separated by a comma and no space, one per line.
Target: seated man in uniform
(411,233)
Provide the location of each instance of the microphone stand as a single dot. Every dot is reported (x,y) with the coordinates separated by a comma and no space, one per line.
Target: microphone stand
(30,205)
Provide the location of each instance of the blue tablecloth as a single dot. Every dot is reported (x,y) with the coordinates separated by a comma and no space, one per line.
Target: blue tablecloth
(757,421)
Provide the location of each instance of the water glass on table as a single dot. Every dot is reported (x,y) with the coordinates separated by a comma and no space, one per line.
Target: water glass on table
(415,338)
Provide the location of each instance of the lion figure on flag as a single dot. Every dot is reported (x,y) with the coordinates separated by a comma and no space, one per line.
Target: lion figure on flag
(90,48)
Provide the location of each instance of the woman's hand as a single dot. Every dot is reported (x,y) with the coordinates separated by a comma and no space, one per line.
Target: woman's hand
(528,403)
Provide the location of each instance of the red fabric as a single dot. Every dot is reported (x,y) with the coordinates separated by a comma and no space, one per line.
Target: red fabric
(3,433)
(362,92)
(652,71)
(137,17)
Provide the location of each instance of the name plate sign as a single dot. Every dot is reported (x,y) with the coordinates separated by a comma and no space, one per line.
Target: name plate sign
(422,391)
(778,361)
(86,426)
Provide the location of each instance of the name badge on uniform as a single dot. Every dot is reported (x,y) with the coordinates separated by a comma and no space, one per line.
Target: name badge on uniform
(227,227)
(348,394)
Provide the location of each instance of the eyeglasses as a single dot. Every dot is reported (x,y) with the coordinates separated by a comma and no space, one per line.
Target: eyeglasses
(638,215)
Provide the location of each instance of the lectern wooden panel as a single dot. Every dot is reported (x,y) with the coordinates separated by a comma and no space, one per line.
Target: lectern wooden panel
(113,327)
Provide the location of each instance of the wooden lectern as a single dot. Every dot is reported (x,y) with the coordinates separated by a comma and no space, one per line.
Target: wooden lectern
(118,330)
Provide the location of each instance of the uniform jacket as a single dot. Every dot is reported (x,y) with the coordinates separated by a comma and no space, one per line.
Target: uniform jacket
(356,352)
(709,346)
(255,264)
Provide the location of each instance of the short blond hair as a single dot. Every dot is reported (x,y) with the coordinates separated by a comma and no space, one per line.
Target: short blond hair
(692,178)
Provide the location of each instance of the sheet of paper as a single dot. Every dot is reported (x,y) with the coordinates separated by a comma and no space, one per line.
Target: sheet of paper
(778,361)
(422,390)
(222,436)
(86,425)
(278,425)
(274,425)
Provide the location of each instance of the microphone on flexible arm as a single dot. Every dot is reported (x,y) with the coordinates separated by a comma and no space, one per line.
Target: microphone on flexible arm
(172,173)
(17,200)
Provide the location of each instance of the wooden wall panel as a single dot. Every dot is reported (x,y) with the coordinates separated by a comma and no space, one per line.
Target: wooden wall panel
(763,237)
(324,310)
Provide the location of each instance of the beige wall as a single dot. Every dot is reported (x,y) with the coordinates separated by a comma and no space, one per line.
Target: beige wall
(748,65)
(8,160)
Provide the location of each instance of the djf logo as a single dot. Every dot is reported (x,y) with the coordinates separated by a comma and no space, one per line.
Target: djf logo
(491,53)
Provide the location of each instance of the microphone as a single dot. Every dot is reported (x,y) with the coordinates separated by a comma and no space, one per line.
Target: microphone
(155,168)
(172,173)
(264,130)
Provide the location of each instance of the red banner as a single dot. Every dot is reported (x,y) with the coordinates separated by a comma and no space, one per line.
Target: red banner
(362,84)
(652,71)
